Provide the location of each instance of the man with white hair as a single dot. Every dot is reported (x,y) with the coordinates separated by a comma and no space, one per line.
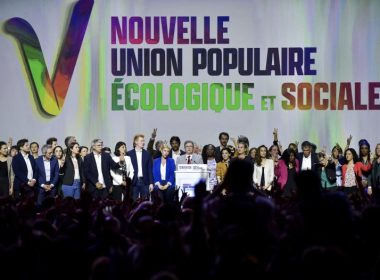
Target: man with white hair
(97,170)
(47,170)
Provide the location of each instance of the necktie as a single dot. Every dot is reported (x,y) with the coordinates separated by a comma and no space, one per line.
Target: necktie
(188,160)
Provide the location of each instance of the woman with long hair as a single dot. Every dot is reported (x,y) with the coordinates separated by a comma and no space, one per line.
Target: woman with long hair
(288,167)
(351,171)
(122,177)
(83,151)
(365,159)
(6,171)
(222,166)
(252,154)
(241,151)
(73,172)
(60,156)
(263,174)
(208,156)
(352,177)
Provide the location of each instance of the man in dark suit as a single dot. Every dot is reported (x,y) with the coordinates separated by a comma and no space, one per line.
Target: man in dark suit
(155,153)
(175,151)
(142,183)
(223,140)
(47,169)
(97,170)
(24,168)
(308,160)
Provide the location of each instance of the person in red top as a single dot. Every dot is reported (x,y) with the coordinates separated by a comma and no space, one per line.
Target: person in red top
(351,169)
(352,172)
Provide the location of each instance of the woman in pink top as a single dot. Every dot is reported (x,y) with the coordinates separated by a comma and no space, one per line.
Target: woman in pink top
(288,167)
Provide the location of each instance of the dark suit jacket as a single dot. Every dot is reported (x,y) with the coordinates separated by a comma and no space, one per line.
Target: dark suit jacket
(54,170)
(314,161)
(147,166)
(374,177)
(171,153)
(21,170)
(69,171)
(91,171)
(218,154)
(170,169)
(154,153)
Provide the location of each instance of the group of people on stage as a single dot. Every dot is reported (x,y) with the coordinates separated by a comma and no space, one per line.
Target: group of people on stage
(263,219)
(138,173)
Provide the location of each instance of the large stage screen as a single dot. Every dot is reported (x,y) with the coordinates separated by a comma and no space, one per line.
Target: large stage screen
(111,69)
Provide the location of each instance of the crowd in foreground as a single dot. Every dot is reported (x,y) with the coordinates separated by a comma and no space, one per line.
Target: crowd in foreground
(304,224)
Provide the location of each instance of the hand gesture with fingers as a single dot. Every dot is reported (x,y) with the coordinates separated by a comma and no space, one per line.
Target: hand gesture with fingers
(154,133)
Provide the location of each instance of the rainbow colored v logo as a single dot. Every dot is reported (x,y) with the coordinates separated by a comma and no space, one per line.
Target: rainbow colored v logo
(51,94)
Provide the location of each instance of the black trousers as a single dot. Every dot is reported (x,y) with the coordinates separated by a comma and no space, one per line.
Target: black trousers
(98,194)
(117,192)
(166,196)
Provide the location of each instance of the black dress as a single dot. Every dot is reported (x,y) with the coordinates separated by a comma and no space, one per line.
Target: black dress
(290,186)
(4,179)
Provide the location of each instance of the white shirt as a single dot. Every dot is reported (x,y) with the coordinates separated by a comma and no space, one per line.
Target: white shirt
(47,169)
(176,155)
(98,160)
(28,165)
(268,173)
(306,163)
(139,162)
(76,169)
(163,171)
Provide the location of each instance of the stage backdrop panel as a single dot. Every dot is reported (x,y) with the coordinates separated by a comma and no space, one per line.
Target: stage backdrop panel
(111,69)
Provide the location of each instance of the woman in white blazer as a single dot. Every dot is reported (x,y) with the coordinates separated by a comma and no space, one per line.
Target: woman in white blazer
(119,176)
(264,164)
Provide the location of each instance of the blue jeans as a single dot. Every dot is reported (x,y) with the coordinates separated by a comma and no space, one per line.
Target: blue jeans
(140,189)
(73,190)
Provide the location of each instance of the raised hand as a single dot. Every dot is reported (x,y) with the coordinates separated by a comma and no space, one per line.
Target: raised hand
(275,134)
(154,133)
(349,140)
